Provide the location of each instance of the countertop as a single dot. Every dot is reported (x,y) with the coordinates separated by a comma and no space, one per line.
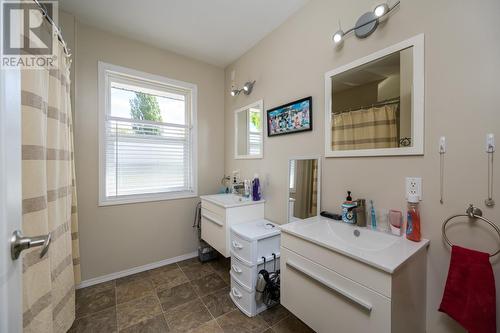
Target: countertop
(332,235)
(230,200)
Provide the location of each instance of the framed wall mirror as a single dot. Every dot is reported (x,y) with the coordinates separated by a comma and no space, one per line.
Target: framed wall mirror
(375,105)
(248,131)
(304,188)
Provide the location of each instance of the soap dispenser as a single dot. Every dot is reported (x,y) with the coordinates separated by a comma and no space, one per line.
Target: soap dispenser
(348,206)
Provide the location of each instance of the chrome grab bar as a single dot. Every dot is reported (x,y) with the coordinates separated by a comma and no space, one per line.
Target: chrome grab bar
(367,306)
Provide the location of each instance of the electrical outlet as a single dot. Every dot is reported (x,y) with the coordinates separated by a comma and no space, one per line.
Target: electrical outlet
(414,187)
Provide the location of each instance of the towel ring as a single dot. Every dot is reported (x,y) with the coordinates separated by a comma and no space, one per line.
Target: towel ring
(471,212)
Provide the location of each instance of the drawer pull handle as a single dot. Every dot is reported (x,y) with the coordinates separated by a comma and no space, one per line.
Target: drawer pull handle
(367,306)
(236,293)
(236,269)
(237,245)
(212,220)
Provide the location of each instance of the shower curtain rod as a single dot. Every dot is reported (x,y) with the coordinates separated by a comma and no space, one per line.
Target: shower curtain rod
(381,103)
(51,21)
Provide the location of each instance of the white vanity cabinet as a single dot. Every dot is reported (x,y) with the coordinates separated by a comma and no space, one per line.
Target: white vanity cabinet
(219,212)
(328,289)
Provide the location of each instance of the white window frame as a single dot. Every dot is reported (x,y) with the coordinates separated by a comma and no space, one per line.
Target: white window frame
(105,71)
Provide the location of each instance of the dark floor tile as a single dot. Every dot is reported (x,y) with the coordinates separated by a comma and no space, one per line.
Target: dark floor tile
(95,299)
(100,322)
(219,303)
(269,330)
(188,262)
(210,327)
(133,289)
(133,277)
(291,324)
(188,316)
(97,288)
(274,314)
(208,284)
(237,322)
(197,270)
(136,311)
(161,269)
(172,297)
(221,265)
(155,325)
(168,278)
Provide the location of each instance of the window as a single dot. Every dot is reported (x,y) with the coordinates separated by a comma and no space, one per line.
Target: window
(254,131)
(147,137)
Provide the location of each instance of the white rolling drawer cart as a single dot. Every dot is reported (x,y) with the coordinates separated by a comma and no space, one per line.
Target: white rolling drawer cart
(249,243)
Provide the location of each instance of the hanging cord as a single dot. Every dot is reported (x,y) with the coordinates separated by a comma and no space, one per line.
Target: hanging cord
(490,202)
(441,176)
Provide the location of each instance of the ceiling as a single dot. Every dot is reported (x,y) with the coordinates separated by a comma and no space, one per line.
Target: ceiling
(374,71)
(213,31)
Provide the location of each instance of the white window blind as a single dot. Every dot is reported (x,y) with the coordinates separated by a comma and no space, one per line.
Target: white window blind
(147,139)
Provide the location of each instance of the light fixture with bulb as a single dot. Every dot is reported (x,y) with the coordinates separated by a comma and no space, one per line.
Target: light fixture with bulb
(247,87)
(366,23)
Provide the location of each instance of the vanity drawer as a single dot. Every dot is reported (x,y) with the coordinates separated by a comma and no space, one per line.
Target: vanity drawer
(246,275)
(324,299)
(214,233)
(374,279)
(217,210)
(213,217)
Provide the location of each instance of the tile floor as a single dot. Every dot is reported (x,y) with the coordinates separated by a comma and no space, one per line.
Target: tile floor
(184,297)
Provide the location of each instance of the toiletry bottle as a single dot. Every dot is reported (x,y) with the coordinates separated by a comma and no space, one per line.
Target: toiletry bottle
(348,215)
(256,191)
(413,220)
(373,216)
(247,188)
(360,212)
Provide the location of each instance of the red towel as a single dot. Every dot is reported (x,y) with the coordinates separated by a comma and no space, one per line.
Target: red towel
(469,295)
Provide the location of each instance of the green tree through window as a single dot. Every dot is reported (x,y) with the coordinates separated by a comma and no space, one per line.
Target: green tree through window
(145,107)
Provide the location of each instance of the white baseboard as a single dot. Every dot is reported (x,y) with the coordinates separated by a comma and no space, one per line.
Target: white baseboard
(130,271)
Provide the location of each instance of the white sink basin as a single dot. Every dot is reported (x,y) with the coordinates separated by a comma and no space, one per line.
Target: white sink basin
(378,249)
(361,238)
(229,200)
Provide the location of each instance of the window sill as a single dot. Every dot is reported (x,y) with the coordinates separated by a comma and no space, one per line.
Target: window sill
(133,199)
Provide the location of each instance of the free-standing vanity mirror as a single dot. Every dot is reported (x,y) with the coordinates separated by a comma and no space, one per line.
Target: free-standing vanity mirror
(304,186)
(248,135)
(375,105)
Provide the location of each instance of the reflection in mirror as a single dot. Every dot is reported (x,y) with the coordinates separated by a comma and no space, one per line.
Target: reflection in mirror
(248,131)
(303,189)
(371,104)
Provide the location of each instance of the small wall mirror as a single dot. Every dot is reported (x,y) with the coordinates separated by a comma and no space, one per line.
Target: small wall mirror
(376,104)
(248,141)
(303,188)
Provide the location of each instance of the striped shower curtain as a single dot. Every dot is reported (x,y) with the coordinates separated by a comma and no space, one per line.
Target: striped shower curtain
(49,199)
(375,127)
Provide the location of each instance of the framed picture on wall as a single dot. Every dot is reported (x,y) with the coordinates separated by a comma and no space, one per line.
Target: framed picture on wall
(290,118)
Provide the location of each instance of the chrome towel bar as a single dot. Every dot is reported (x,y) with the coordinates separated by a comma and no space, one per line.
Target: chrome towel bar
(473,213)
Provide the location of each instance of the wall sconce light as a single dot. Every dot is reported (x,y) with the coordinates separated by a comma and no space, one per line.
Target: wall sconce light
(247,87)
(366,23)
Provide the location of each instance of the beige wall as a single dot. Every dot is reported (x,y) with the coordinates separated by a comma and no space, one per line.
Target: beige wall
(116,238)
(462,66)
